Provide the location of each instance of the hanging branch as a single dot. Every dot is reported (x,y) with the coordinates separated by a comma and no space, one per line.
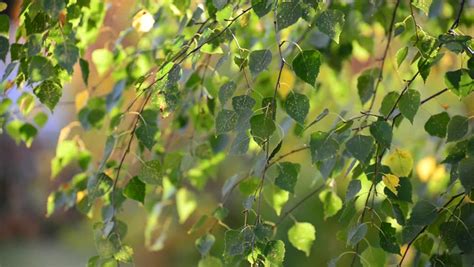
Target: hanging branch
(385,53)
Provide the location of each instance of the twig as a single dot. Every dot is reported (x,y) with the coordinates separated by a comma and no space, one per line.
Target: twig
(288,212)
(387,46)
(286,155)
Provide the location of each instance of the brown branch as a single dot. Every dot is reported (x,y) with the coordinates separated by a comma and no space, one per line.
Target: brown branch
(387,46)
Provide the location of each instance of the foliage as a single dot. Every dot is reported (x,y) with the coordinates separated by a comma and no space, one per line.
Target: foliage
(217,74)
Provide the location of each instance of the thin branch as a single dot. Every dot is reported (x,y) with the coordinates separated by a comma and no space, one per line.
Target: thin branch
(287,154)
(299,203)
(453,26)
(385,52)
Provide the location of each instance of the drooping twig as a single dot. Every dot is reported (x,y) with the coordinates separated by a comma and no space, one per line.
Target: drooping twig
(385,53)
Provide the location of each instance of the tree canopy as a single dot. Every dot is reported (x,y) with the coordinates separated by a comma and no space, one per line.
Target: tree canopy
(226,118)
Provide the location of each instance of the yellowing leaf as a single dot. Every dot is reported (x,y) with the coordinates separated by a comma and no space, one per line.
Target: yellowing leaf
(391,182)
(286,82)
(81,99)
(143,21)
(400,162)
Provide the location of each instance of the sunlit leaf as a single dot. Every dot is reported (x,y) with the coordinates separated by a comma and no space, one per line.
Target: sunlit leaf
(302,235)
(400,162)
(331,22)
(186,204)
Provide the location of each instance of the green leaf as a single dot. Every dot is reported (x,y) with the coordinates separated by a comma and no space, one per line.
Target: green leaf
(4,23)
(288,14)
(437,125)
(466,173)
(125,254)
(460,82)
(297,106)
(356,234)
(5,105)
(210,261)
(306,66)
(360,147)
(147,128)
(275,197)
(67,55)
(374,256)
(220,213)
(226,91)
(40,69)
(151,172)
(400,162)
(323,146)
(423,213)
(135,189)
(261,7)
(274,253)
(409,104)
(382,132)
(458,127)
(186,203)
(404,190)
(401,55)
(204,244)
(388,102)
(103,60)
(243,103)
(4,46)
(53,7)
(302,235)
(84,70)
(49,93)
(287,176)
(331,203)
(40,119)
(98,185)
(261,128)
(424,244)
(226,121)
(366,84)
(248,186)
(331,22)
(233,243)
(352,190)
(259,61)
(219,4)
(388,241)
(423,5)
(26,103)
(27,133)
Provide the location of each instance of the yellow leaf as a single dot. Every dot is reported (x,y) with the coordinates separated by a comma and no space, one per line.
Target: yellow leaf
(286,82)
(81,99)
(143,21)
(391,182)
(400,162)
